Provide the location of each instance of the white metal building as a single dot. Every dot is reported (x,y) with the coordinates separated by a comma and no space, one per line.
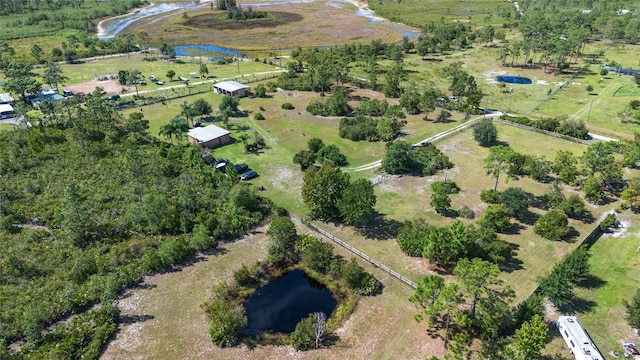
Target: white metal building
(209,136)
(6,111)
(232,88)
(577,339)
(6,98)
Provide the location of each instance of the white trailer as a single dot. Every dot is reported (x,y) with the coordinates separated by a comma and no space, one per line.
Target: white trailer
(577,339)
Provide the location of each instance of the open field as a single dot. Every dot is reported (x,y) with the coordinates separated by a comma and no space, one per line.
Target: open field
(418,13)
(157,330)
(615,265)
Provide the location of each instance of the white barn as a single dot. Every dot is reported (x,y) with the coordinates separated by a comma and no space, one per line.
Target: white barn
(209,136)
(231,88)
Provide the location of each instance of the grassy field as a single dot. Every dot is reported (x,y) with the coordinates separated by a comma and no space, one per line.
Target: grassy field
(614,265)
(156,330)
(418,13)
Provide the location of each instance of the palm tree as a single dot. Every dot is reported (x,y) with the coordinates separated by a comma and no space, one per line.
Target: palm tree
(167,131)
(188,111)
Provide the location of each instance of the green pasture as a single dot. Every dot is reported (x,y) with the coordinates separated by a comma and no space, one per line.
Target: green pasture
(408,198)
(78,73)
(5,126)
(615,268)
(599,107)
(418,13)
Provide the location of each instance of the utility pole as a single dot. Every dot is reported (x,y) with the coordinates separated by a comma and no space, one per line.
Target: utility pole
(510,98)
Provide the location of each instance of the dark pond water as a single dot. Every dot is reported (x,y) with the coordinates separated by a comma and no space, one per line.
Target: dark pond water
(283,302)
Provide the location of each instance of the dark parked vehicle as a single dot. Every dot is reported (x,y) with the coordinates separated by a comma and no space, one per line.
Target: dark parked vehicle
(114,97)
(240,168)
(249,175)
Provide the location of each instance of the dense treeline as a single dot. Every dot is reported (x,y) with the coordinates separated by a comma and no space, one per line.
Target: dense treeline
(88,205)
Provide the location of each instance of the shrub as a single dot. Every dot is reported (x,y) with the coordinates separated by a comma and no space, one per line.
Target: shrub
(448,187)
(574,207)
(318,107)
(288,106)
(358,128)
(515,202)
(303,337)
(360,281)
(490,196)
(553,225)
(485,133)
(258,116)
(608,222)
(495,218)
(466,212)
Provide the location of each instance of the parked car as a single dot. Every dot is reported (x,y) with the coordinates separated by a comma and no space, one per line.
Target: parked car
(152,78)
(249,175)
(631,349)
(159,82)
(67,93)
(114,97)
(241,168)
(197,123)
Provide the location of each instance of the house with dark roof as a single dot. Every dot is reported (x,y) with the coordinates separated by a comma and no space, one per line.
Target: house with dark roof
(209,136)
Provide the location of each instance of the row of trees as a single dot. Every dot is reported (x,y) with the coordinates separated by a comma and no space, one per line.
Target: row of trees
(319,152)
(402,158)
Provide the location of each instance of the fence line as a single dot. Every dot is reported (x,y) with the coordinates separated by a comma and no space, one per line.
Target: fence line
(547,132)
(359,253)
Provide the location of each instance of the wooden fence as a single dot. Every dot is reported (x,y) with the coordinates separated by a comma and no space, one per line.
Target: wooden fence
(359,253)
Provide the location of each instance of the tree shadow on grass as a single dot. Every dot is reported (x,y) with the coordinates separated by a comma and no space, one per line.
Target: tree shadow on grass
(571,236)
(529,218)
(512,263)
(132,319)
(379,228)
(592,282)
(581,305)
(514,229)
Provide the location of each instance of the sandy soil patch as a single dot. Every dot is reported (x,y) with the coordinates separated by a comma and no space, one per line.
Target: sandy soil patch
(109,86)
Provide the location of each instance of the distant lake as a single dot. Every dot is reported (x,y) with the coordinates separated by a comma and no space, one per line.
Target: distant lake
(279,306)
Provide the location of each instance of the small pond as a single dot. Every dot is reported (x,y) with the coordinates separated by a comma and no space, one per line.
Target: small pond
(283,302)
(513,79)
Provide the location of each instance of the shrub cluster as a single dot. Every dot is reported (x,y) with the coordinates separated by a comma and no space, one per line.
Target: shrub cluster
(563,126)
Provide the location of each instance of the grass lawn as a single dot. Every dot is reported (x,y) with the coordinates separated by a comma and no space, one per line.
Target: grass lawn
(78,73)
(418,13)
(5,126)
(615,268)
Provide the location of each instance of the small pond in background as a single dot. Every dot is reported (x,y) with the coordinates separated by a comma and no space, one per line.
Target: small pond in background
(279,306)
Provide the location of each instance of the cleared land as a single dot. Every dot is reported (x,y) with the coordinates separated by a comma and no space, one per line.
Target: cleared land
(165,319)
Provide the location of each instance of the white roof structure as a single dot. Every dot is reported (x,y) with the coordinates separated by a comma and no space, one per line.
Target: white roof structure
(5,108)
(6,98)
(207,133)
(577,339)
(231,86)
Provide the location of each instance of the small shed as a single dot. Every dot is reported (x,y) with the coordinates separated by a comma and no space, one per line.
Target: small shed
(231,88)
(209,136)
(6,98)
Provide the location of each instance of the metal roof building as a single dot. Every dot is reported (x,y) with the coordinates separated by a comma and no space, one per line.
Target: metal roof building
(209,136)
(231,88)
